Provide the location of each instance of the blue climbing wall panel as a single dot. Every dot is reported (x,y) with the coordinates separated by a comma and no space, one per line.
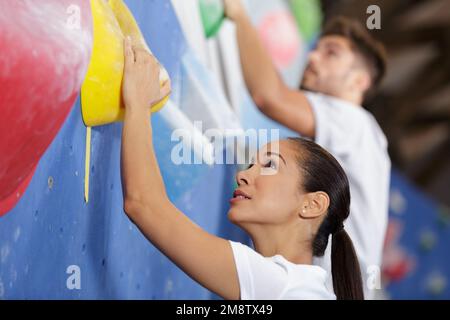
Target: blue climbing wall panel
(52,228)
(416,263)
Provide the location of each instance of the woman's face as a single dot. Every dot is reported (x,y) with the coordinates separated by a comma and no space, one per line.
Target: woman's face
(268,191)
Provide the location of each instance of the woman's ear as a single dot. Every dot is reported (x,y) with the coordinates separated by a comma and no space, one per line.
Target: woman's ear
(314,205)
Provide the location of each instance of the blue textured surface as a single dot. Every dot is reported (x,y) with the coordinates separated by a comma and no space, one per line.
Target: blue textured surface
(52,227)
(421,243)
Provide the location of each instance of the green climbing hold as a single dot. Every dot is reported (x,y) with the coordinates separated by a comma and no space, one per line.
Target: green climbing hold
(212,14)
(427,240)
(308,14)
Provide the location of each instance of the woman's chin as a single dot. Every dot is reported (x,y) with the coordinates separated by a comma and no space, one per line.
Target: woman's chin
(234,216)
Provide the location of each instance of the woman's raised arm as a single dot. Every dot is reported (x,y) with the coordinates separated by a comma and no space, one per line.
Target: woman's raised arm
(204,257)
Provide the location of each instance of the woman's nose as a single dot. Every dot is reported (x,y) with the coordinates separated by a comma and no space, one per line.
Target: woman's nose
(242,178)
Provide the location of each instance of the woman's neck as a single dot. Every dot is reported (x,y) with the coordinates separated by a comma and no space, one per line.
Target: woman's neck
(279,242)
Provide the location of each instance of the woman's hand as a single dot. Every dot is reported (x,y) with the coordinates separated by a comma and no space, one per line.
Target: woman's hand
(234,9)
(141,87)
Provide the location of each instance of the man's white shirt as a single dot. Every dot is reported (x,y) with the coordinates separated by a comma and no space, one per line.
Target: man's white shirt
(352,135)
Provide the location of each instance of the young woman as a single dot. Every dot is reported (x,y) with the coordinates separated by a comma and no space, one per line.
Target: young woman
(289,202)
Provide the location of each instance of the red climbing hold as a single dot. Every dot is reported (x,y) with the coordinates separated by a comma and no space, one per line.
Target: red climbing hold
(45,50)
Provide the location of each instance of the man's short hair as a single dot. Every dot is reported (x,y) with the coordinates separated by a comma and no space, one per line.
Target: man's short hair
(371,50)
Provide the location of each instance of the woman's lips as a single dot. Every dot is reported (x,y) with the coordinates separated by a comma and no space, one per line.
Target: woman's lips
(239,195)
(238,199)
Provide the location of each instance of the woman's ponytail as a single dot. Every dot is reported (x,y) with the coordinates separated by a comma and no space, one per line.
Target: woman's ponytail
(345,269)
(322,172)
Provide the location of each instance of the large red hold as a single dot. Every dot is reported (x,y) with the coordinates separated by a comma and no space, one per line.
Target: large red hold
(45,48)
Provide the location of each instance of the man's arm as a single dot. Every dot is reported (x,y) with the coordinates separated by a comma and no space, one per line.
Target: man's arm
(206,258)
(284,105)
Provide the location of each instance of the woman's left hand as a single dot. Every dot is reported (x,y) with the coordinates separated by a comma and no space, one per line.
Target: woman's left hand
(141,87)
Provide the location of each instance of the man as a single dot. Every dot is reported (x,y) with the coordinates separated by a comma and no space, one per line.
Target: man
(346,65)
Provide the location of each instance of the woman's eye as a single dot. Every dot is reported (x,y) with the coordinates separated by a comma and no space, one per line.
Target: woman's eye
(249,166)
(270,164)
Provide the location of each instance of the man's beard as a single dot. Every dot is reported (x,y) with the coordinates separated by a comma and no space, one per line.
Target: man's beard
(312,73)
(303,87)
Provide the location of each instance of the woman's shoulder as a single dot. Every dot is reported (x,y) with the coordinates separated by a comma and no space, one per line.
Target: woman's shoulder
(305,281)
(278,276)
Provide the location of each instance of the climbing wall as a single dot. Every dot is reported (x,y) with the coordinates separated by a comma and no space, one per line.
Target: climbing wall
(416,263)
(52,235)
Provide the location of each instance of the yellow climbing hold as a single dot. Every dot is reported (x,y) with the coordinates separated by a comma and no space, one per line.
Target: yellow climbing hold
(87,165)
(101,99)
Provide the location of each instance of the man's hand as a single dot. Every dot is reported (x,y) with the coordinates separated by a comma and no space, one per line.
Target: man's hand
(234,9)
(140,87)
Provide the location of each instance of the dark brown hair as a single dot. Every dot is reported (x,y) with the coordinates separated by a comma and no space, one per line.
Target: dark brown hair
(372,51)
(321,172)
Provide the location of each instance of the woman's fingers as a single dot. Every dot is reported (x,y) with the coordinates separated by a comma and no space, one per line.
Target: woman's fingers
(141,85)
(141,55)
(129,53)
(165,90)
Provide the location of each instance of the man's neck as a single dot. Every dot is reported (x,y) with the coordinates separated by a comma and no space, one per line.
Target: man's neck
(355,99)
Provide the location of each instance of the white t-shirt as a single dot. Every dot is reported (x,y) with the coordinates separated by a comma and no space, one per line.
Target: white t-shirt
(352,135)
(273,278)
